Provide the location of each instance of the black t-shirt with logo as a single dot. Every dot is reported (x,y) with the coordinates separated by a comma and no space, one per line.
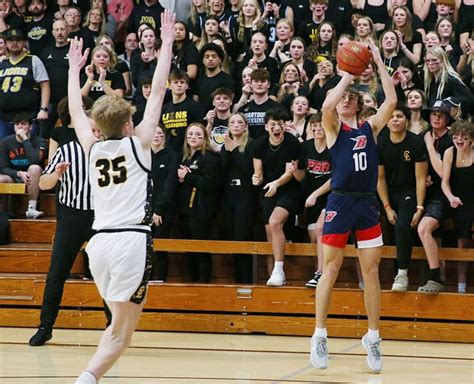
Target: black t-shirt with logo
(39,34)
(177,117)
(317,165)
(255,114)
(399,160)
(219,130)
(113,78)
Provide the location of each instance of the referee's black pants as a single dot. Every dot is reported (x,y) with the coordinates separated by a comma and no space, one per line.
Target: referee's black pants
(404,204)
(73,228)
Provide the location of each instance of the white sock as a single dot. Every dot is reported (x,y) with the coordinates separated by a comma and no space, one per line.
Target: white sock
(403,272)
(373,335)
(32,204)
(462,287)
(86,378)
(321,332)
(278,267)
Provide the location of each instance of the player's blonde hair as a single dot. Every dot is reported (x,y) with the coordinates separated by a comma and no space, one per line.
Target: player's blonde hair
(111,113)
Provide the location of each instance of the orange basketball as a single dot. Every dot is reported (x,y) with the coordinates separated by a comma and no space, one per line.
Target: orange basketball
(353,57)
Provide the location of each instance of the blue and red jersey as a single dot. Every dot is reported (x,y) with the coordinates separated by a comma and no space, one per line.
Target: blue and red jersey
(354,159)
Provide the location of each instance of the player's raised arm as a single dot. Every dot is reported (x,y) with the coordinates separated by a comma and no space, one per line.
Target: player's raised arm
(146,129)
(330,120)
(384,113)
(79,120)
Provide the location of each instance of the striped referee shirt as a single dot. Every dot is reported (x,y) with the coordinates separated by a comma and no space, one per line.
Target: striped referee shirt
(74,190)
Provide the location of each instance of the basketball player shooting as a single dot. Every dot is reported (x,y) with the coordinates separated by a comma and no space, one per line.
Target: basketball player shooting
(352,205)
(120,252)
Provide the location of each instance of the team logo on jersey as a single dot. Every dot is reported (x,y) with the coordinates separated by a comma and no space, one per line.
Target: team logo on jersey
(360,142)
(406,156)
(330,215)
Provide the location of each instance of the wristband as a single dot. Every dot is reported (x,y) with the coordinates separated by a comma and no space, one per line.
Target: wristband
(386,205)
(420,207)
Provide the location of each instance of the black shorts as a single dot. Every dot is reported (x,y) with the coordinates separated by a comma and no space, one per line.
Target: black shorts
(462,219)
(435,207)
(291,200)
(311,214)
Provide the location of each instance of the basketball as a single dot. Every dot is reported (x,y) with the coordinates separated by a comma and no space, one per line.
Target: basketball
(353,57)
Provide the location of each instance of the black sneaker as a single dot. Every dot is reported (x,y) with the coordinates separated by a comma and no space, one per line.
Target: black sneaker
(41,336)
(313,283)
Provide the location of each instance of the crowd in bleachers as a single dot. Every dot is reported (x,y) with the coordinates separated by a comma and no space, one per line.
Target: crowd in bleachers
(240,141)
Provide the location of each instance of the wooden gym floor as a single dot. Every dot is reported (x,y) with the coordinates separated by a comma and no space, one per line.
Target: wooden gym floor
(166,357)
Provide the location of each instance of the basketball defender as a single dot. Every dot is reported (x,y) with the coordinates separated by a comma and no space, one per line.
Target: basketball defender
(352,205)
(120,252)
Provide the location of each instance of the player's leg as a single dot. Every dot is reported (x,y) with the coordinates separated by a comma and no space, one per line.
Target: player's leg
(116,338)
(369,259)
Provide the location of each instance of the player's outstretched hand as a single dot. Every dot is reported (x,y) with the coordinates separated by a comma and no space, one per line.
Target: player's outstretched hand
(168,20)
(375,52)
(76,58)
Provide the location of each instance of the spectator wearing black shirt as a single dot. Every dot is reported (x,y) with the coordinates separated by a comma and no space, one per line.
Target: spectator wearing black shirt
(9,19)
(148,11)
(199,11)
(100,78)
(458,186)
(212,76)
(441,80)
(21,155)
(390,50)
(445,29)
(309,29)
(65,132)
(410,41)
(186,55)
(377,12)
(339,14)
(323,47)
(56,63)
(180,112)
(401,186)
(239,195)
(197,195)
(314,169)
(299,57)
(437,141)
(165,164)
(256,109)
(321,83)
(280,195)
(73,21)
(143,60)
(281,47)
(38,30)
(258,58)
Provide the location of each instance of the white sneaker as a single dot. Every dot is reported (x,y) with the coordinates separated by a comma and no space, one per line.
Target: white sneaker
(33,214)
(319,352)
(400,284)
(277,279)
(374,356)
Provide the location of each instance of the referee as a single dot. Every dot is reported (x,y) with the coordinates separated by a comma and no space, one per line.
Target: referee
(75,215)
